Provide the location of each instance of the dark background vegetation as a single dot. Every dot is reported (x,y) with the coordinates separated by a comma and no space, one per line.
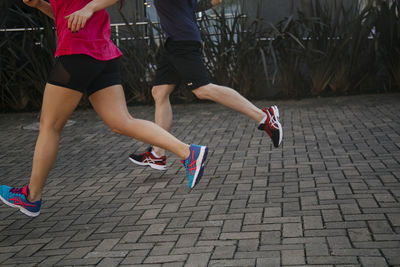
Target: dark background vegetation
(326,48)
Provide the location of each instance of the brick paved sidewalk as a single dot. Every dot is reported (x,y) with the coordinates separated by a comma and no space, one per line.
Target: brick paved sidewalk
(328,197)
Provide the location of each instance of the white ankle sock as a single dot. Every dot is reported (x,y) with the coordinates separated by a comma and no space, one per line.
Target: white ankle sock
(154,154)
(264,120)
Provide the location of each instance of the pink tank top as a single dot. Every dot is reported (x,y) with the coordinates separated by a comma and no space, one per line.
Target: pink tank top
(93,40)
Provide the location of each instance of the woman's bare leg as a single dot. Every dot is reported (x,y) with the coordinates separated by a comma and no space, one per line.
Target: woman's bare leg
(110,104)
(163,114)
(58,104)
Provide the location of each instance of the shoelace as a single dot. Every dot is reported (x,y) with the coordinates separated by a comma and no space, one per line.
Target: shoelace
(273,121)
(192,166)
(16,190)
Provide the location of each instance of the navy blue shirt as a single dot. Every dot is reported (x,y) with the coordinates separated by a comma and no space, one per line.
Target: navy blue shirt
(178,19)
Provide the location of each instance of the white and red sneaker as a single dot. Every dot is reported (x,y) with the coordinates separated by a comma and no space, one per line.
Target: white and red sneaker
(148,158)
(271,125)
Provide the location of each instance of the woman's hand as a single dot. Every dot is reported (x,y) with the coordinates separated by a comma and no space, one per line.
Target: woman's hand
(32,3)
(78,19)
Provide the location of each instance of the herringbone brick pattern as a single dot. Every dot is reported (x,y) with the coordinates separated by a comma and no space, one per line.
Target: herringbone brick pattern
(330,196)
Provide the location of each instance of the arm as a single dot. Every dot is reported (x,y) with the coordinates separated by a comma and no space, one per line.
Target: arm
(41,5)
(78,19)
(204,5)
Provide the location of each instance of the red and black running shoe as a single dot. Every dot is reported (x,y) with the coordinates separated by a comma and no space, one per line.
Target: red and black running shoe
(148,159)
(272,125)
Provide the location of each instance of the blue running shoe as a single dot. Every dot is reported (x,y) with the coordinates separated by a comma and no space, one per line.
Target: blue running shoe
(17,198)
(195,164)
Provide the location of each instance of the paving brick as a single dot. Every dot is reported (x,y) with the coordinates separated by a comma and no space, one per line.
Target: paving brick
(346,225)
(53,252)
(232,226)
(79,262)
(377,244)
(230,236)
(192,250)
(248,245)
(373,261)
(317,249)
(131,237)
(331,215)
(133,260)
(392,255)
(233,263)
(292,230)
(339,242)
(187,240)
(162,248)
(109,262)
(210,233)
(293,257)
(29,250)
(355,252)
(350,209)
(328,197)
(155,229)
(323,195)
(304,240)
(268,262)
(361,234)
(252,218)
(165,258)
(106,254)
(332,260)
(51,261)
(198,260)
(150,214)
(312,222)
(394,219)
(5,256)
(79,253)
(159,238)
(273,212)
(106,244)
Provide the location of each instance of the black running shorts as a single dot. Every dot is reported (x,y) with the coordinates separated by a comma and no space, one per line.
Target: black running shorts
(84,73)
(182,62)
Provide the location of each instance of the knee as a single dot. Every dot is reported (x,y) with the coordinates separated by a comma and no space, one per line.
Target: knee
(203,92)
(120,126)
(160,94)
(47,125)
(117,128)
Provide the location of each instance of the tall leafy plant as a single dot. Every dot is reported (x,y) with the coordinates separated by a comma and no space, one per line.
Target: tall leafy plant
(286,49)
(388,40)
(26,58)
(336,41)
(235,52)
(141,46)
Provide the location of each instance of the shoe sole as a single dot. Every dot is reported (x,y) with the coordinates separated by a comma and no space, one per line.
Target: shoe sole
(199,166)
(21,209)
(154,166)
(276,112)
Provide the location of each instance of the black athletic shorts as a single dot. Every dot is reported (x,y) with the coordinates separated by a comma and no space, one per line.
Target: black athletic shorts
(182,62)
(84,73)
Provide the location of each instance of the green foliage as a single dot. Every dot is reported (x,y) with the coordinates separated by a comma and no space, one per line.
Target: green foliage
(387,38)
(234,52)
(330,48)
(141,50)
(287,52)
(26,59)
(335,47)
